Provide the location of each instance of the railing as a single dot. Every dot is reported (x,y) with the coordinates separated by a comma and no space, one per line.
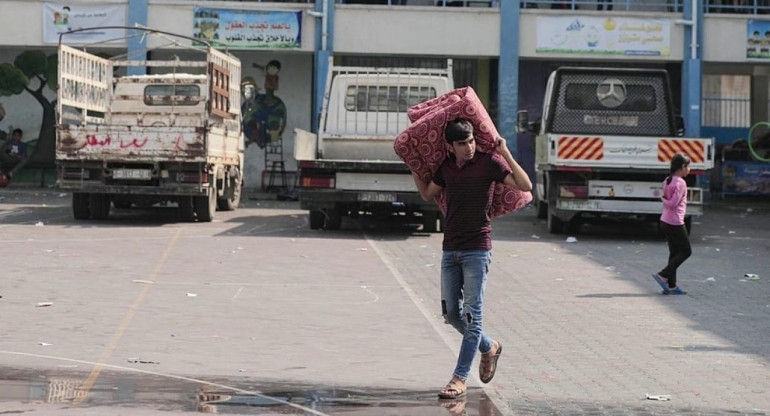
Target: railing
(440,3)
(709,6)
(726,112)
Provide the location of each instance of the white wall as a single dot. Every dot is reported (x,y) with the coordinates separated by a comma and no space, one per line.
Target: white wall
(417,31)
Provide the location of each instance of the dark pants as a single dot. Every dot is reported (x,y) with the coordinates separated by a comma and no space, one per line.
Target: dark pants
(678,250)
(601,5)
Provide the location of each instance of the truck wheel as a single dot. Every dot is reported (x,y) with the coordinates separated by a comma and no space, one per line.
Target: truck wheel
(430,222)
(574,225)
(186,211)
(99,205)
(555,225)
(316,219)
(333,219)
(542,209)
(231,204)
(121,203)
(80,209)
(206,206)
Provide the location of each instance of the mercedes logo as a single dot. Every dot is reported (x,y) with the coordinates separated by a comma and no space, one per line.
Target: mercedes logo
(611,92)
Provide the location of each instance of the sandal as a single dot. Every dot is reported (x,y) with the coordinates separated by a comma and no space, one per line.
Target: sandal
(674,291)
(453,390)
(455,407)
(489,363)
(660,281)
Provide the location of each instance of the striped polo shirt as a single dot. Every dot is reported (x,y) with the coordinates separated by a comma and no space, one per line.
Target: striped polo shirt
(469,190)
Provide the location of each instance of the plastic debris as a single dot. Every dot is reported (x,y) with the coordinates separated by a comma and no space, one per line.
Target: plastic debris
(149,282)
(39,224)
(751,276)
(749,210)
(711,279)
(717,249)
(191,295)
(535,236)
(571,240)
(610,268)
(62,195)
(44,344)
(138,361)
(44,304)
(660,397)
(731,232)
(363,249)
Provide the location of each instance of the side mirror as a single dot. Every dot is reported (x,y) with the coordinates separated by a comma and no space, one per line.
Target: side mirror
(522,122)
(679,126)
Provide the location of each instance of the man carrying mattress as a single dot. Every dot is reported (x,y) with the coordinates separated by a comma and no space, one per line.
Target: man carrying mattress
(467,178)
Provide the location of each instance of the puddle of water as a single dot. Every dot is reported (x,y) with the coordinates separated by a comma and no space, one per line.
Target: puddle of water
(169,395)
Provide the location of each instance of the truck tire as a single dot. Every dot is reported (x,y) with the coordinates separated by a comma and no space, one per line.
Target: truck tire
(231,204)
(186,211)
(121,203)
(542,209)
(555,224)
(333,219)
(80,209)
(99,206)
(574,225)
(316,219)
(206,206)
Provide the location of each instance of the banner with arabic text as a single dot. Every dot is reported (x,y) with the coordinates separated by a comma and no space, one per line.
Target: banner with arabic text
(616,35)
(249,28)
(60,18)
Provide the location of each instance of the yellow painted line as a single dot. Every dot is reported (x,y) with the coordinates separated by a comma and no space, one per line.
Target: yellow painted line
(113,344)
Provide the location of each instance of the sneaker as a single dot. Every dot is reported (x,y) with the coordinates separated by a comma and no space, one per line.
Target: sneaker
(674,291)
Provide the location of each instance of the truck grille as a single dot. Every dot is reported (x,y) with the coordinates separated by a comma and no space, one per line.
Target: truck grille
(612,103)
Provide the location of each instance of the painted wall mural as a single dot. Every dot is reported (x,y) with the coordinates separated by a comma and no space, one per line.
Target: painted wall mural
(264,114)
(32,74)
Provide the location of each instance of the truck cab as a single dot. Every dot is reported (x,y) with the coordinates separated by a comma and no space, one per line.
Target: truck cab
(604,145)
(350,168)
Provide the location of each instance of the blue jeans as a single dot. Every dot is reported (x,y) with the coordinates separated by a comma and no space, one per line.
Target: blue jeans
(463,278)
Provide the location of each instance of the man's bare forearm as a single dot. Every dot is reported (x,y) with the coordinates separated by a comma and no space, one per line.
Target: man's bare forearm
(519,175)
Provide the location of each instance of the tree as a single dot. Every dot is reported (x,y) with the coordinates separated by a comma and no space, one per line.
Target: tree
(33,71)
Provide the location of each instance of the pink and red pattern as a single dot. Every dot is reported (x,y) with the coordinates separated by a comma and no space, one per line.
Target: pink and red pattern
(423,148)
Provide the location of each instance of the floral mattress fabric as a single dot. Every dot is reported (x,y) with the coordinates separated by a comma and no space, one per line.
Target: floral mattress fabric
(423,148)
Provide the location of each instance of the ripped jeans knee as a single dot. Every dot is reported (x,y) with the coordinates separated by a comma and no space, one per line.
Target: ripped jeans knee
(452,316)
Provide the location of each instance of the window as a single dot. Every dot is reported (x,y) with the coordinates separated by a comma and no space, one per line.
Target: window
(386,98)
(172,94)
(584,97)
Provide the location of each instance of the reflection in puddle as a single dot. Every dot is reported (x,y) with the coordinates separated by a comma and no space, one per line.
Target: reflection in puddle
(214,398)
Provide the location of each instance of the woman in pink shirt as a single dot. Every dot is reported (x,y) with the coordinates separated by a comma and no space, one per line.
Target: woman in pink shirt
(672,223)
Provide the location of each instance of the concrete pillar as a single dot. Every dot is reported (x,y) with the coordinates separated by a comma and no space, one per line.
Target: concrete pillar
(137,45)
(323,51)
(759,97)
(508,82)
(692,70)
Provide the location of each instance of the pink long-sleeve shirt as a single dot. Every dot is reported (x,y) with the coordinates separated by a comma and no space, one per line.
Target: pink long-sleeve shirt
(674,201)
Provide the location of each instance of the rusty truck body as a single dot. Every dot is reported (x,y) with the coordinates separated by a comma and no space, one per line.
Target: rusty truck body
(171,136)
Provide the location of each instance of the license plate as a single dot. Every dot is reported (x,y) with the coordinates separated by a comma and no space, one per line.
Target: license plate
(377,197)
(141,174)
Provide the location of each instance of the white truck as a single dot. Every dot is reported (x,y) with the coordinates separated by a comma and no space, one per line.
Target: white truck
(171,136)
(350,168)
(604,145)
